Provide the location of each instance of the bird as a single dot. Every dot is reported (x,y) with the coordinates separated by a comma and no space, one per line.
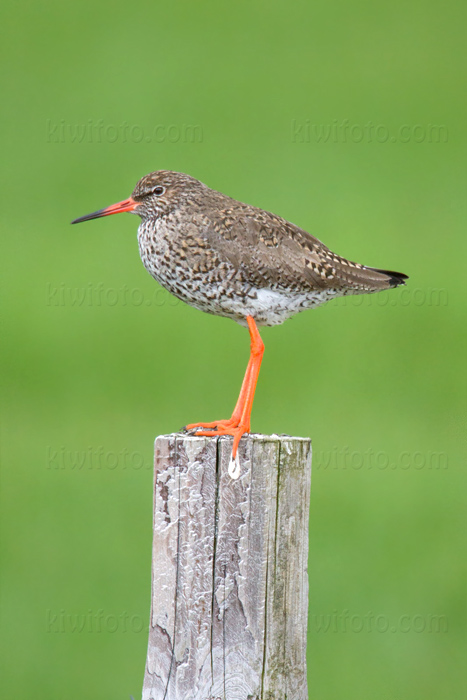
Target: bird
(238,261)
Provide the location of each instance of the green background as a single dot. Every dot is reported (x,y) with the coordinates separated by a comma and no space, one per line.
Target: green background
(376,381)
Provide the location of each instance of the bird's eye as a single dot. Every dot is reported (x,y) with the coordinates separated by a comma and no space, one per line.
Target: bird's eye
(159,190)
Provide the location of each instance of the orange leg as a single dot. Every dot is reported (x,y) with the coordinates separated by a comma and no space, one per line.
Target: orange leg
(234,420)
(239,422)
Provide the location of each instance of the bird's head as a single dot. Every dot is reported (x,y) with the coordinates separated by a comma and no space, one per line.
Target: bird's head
(155,195)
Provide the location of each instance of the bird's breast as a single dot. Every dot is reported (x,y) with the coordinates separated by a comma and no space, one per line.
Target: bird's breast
(180,258)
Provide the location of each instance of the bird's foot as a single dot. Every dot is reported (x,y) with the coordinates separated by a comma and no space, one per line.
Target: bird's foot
(222,427)
(214,425)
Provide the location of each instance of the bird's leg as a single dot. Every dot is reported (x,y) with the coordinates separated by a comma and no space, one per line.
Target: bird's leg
(234,420)
(256,356)
(239,423)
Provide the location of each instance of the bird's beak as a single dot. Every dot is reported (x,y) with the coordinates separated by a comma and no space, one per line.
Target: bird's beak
(126,205)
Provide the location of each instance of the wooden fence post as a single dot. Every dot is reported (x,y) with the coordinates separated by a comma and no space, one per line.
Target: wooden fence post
(229,570)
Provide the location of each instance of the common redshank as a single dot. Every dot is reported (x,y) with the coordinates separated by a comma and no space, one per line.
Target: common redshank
(235,260)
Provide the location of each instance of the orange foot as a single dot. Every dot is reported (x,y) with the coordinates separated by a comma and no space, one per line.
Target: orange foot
(215,425)
(222,427)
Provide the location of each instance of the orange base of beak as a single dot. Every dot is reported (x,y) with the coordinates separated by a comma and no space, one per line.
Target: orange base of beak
(119,208)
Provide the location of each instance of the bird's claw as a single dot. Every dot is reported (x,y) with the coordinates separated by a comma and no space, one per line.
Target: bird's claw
(214,425)
(223,427)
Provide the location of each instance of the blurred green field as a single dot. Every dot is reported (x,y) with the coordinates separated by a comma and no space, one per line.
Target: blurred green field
(348,119)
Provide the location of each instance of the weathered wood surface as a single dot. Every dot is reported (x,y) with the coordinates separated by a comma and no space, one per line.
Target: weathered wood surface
(229,570)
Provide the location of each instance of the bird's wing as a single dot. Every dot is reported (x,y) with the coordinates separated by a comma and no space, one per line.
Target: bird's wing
(272,252)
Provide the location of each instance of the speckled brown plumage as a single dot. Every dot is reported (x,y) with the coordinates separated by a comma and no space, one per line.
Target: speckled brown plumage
(235,260)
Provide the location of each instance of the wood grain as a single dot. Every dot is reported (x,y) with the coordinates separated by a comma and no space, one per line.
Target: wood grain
(229,570)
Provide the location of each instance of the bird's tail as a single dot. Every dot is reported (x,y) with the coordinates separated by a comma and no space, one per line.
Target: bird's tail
(359,279)
(389,278)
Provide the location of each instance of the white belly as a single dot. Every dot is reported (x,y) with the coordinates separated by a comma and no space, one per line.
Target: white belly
(271,307)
